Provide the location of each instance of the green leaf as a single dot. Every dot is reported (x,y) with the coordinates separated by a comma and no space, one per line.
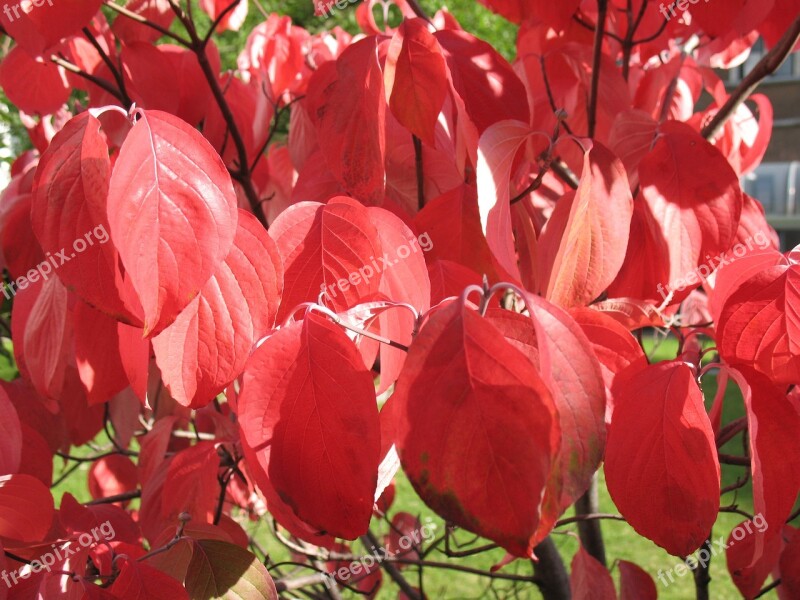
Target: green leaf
(223,570)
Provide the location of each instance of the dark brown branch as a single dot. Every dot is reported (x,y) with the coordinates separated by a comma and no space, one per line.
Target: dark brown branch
(115,72)
(589,517)
(730,431)
(132,495)
(565,174)
(372,545)
(589,529)
(597,55)
(550,571)
(143,21)
(768,588)
(420,173)
(702,575)
(242,173)
(739,461)
(101,83)
(219,20)
(768,65)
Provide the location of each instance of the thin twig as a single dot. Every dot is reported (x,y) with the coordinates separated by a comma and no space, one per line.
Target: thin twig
(768,65)
(602,9)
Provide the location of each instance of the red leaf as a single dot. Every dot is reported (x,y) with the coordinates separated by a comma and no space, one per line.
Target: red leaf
(43,335)
(111,476)
(661,460)
(69,206)
(321,247)
(497,150)
(46,24)
(193,216)
(753,326)
(191,485)
(635,583)
(233,20)
(749,572)
(155,11)
(473,416)
(790,567)
(308,397)
(773,418)
(34,86)
(404,280)
(97,354)
(695,199)
(584,243)
(139,581)
(26,509)
(453,223)
(415,78)
(349,109)
(10,436)
(209,343)
(613,345)
(151,79)
(573,375)
(589,579)
(487,85)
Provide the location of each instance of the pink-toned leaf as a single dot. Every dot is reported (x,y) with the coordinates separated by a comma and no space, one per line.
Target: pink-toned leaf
(209,343)
(589,579)
(170,186)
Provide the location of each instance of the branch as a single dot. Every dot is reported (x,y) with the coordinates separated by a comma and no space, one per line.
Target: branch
(702,576)
(101,83)
(242,174)
(420,174)
(115,72)
(369,540)
(219,20)
(133,494)
(602,9)
(550,570)
(589,529)
(141,20)
(768,65)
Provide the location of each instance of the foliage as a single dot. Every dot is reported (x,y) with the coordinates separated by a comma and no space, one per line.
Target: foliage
(279,283)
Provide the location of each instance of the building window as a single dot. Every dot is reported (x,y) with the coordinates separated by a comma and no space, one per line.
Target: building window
(790,69)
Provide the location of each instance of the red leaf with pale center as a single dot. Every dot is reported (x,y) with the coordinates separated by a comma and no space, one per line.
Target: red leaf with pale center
(497,150)
(209,343)
(172,213)
(307,395)
(474,417)
(661,460)
(583,246)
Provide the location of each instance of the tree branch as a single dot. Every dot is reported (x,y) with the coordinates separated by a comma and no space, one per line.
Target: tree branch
(768,65)
(602,9)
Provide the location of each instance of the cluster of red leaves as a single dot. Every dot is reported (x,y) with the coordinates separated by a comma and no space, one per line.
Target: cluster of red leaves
(587,192)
